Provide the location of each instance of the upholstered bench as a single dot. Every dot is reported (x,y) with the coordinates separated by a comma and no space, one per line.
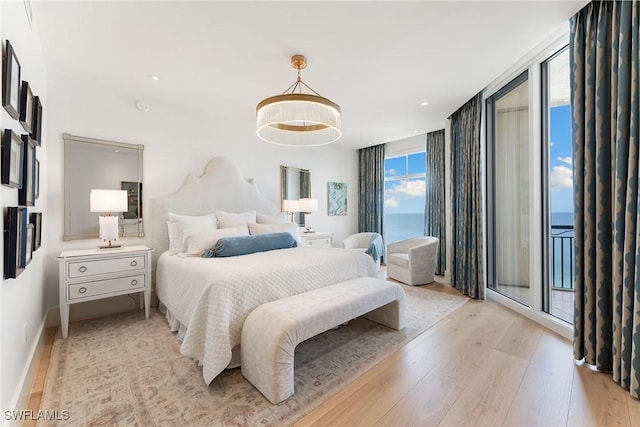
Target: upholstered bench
(272,331)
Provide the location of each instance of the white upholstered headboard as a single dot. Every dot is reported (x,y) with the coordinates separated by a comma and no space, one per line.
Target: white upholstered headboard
(220,188)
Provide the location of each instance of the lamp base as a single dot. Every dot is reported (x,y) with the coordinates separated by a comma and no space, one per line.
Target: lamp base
(109,246)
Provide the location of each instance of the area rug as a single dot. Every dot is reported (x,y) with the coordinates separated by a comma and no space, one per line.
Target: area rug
(127,370)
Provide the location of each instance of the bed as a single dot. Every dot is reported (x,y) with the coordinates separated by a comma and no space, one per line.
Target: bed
(206,300)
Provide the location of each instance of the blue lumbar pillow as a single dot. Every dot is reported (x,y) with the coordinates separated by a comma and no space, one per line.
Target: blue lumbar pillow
(242,245)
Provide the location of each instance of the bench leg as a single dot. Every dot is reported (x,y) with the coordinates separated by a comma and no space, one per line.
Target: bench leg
(391,315)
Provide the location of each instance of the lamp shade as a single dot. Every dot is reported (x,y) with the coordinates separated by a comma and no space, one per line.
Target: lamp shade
(308,205)
(290,205)
(108,201)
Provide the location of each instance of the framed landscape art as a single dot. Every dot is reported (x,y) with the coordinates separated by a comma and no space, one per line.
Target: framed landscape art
(12,159)
(26,194)
(11,82)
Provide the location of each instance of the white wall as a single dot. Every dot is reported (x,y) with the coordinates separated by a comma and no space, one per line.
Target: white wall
(177,141)
(22,300)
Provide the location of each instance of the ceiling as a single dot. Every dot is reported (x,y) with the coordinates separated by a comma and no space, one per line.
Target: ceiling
(378,60)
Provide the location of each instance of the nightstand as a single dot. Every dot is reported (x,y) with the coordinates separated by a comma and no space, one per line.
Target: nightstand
(92,274)
(322,240)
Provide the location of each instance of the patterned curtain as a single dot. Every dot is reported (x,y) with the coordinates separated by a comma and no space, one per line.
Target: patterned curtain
(435,196)
(467,256)
(605,46)
(371,167)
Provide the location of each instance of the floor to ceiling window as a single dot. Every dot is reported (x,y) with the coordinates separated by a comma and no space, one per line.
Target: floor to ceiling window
(558,189)
(404,196)
(509,202)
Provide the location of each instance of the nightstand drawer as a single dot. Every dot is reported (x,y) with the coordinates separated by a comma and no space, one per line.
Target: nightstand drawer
(102,287)
(102,266)
(323,242)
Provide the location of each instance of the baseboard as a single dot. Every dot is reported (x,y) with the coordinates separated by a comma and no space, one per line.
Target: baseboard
(21,398)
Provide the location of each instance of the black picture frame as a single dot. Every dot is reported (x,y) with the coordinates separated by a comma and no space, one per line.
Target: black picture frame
(36,219)
(15,233)
(11,81)
(26,193)
(36,122)
(13,149)
(37,180)
(26,106)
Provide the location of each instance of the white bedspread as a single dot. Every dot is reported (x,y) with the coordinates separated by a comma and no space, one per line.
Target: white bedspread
(213,296)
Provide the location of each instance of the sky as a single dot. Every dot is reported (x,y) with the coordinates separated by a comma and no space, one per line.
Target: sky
(560,159)
(408,195)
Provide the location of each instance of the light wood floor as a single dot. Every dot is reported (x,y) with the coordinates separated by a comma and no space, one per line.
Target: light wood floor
(484,365)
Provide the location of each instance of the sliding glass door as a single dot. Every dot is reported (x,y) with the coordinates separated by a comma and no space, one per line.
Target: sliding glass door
(509,201)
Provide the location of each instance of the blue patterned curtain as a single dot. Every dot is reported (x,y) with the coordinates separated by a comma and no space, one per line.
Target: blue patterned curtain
(435,196)
(467,273)
(605,48)
(371,167)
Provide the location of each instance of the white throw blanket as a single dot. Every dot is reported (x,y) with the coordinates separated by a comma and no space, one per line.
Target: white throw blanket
(213,296)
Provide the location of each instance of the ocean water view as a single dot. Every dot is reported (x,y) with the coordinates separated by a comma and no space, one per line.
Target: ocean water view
(399,226)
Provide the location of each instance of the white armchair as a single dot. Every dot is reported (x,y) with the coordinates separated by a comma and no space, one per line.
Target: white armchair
(363,242)
(413,261)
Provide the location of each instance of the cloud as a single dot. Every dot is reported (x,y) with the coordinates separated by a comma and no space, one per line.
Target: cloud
(561,178)
(390,171)
(404,190)
(391,202)
(567,160)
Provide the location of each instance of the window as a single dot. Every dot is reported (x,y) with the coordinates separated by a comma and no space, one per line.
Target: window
(404,196)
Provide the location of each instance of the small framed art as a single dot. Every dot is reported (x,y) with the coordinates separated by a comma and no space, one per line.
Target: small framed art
(12,159)
(36,121)
(27,255)
(26,194)
(26,106)
(11,82)
(336,198)
(15,235)
(36,219)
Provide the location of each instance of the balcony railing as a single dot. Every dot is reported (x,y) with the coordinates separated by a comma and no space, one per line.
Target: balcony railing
(562,264)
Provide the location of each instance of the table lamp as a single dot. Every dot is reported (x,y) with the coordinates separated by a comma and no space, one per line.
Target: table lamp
(108,201)
(290,206)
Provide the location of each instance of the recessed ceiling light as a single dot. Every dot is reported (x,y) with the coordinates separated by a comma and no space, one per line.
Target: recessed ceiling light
(424,104)
(154,77)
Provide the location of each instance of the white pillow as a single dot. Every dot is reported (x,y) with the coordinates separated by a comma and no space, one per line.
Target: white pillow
(178,224)
(194,242)
(228,219)
(290,227)
(279,218)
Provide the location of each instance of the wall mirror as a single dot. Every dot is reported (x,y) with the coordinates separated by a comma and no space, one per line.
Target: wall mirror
(97,164)
(295,184)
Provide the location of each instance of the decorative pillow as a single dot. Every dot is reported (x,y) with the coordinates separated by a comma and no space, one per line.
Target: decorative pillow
(279,218)
(178,224)
(242,245)
(289,227)
(228,219)
(195,242)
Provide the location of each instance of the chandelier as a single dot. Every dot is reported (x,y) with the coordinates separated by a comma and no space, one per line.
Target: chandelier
(298,119)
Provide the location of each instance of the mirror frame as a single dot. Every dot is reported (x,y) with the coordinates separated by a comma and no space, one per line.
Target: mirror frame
(297,216)
(69,140)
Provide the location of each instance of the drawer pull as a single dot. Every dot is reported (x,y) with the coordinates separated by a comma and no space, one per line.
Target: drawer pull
(82,290)
(134,263)
(134,282)
(82,269)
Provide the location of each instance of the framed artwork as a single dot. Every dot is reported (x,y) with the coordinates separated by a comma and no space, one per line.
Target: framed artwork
(12,159)
(36,121)
(336,198)
(11,82)
(134,199)
(26,106)
(26,194)
(15,234)
(36,220)
(28,246)
(37,180)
